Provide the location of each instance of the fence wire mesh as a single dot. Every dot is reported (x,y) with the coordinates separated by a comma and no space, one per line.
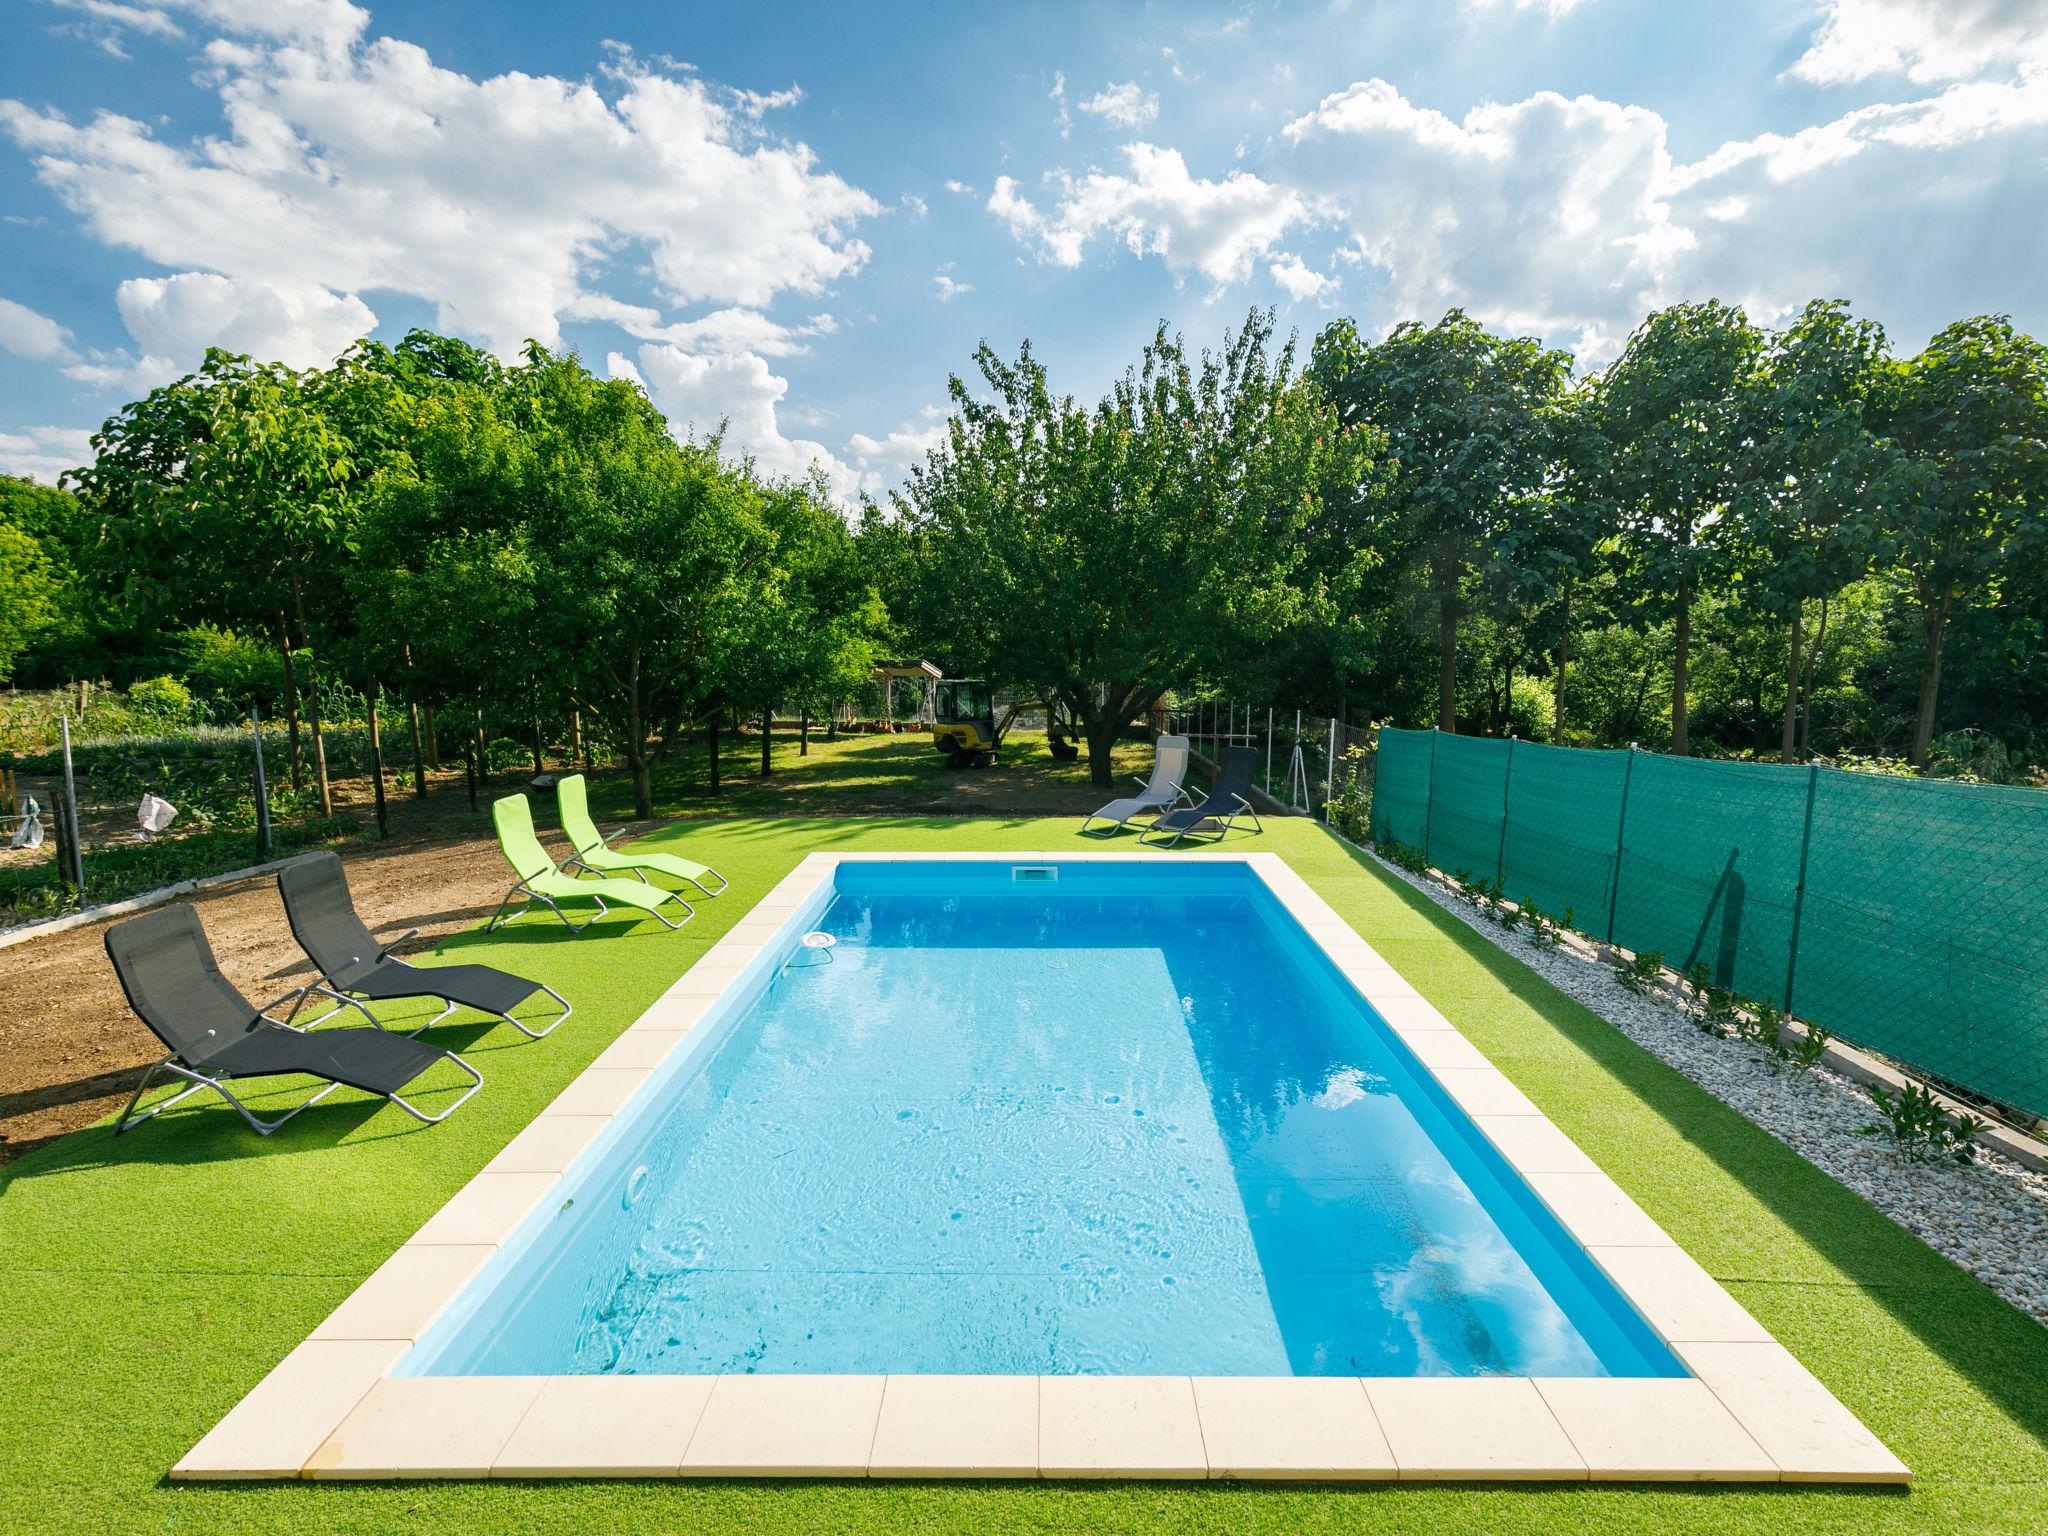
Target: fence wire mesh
(1904,915)
(1305,762)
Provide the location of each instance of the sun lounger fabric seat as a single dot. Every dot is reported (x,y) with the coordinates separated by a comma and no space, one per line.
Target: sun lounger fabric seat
(353,964)
(1161,792)
(172,981)
(1229,798)
(544,885)
(572,804)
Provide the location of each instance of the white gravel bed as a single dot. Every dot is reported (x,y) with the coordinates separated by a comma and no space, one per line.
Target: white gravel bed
(1991,1217)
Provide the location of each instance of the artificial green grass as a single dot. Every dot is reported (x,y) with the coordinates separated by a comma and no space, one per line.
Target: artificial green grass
(147,1283)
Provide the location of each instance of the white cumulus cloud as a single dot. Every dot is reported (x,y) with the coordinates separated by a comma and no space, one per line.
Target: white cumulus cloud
(350,165)
(44,453)
(1298,280)
(1214,228)
(28,333)
(1927,41)
(1127,105)
(178,317)
(699,393)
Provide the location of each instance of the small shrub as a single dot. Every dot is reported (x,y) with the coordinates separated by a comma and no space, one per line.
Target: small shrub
(1401,856)
(1803,1054)
(1714,1008)
(1920,1128)
(1545,932)
(161,698)
(1641,974)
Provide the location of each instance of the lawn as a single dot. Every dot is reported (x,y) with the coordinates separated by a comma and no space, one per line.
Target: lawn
(146,1284)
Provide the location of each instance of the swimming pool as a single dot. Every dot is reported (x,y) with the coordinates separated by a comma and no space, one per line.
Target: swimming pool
(1084,1117)
(901,1216)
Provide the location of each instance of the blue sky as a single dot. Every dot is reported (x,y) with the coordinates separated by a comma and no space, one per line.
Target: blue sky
(801,218)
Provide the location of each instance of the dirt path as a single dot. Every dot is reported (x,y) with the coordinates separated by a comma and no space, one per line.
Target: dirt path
(69,1047)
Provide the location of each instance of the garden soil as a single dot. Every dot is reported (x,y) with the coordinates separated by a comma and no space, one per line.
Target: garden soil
(70,1049)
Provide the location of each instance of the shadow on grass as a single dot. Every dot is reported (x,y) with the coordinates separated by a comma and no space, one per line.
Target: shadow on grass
(206,1128)
(1996,1347)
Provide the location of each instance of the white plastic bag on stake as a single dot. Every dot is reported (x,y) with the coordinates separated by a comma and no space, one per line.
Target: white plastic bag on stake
(155,814)
(28,832)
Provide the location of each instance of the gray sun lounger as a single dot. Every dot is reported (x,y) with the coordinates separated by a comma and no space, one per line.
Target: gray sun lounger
(1229,798)
(355,967)
(174,984)
(1162,791)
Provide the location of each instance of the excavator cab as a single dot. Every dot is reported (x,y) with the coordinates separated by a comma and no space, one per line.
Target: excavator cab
(964,722)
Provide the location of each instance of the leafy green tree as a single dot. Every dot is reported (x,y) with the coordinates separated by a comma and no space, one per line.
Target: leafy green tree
(1672,409)
(28,594)
(818,623)
(227,495)
(1094,557)
(1462,412)
(1970,497)
(1810,514)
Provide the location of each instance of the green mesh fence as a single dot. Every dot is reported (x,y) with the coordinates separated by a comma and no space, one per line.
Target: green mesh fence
(1906,915)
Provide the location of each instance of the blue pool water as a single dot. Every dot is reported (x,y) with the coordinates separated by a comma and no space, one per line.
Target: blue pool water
(1128,1120)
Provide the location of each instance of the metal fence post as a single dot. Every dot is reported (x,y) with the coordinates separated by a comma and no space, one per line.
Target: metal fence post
(1500,859)
(1429,798)
(262,789)
(1269,751)
(1620,842)
(1799,893)
(72,844)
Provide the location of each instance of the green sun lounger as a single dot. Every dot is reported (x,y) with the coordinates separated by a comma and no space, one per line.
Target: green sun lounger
(544,885)
(572,800)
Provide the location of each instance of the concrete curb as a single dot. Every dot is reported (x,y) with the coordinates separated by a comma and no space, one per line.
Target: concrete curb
(146,900)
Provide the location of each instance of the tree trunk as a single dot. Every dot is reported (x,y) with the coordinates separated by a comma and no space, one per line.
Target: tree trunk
(636,743)
(1447,660)
(1788,744)
(1101,729)
(432,745)
(377,757)
(539,765)
(803,734)
(767,734)
(576,753)
(291,699)
(419,761)
(711,745)
(1681,646)
(832,724)
(313,708)
(1934,626)
(1820,639)
(1564,640)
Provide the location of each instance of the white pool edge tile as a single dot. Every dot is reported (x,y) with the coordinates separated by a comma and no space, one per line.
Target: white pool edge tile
(1827,1443)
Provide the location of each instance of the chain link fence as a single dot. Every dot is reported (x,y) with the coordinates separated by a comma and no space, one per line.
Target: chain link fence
(1310,764)
(1905,915)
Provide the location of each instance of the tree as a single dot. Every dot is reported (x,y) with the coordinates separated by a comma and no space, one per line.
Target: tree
(1461,409)
(226,494)
(1672,410)
(815,630)
(1970,422)
(32,583)
(1094,556)
(1811,509)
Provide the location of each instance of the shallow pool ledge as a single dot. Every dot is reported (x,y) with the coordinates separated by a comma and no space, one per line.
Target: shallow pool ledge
(335,1407)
